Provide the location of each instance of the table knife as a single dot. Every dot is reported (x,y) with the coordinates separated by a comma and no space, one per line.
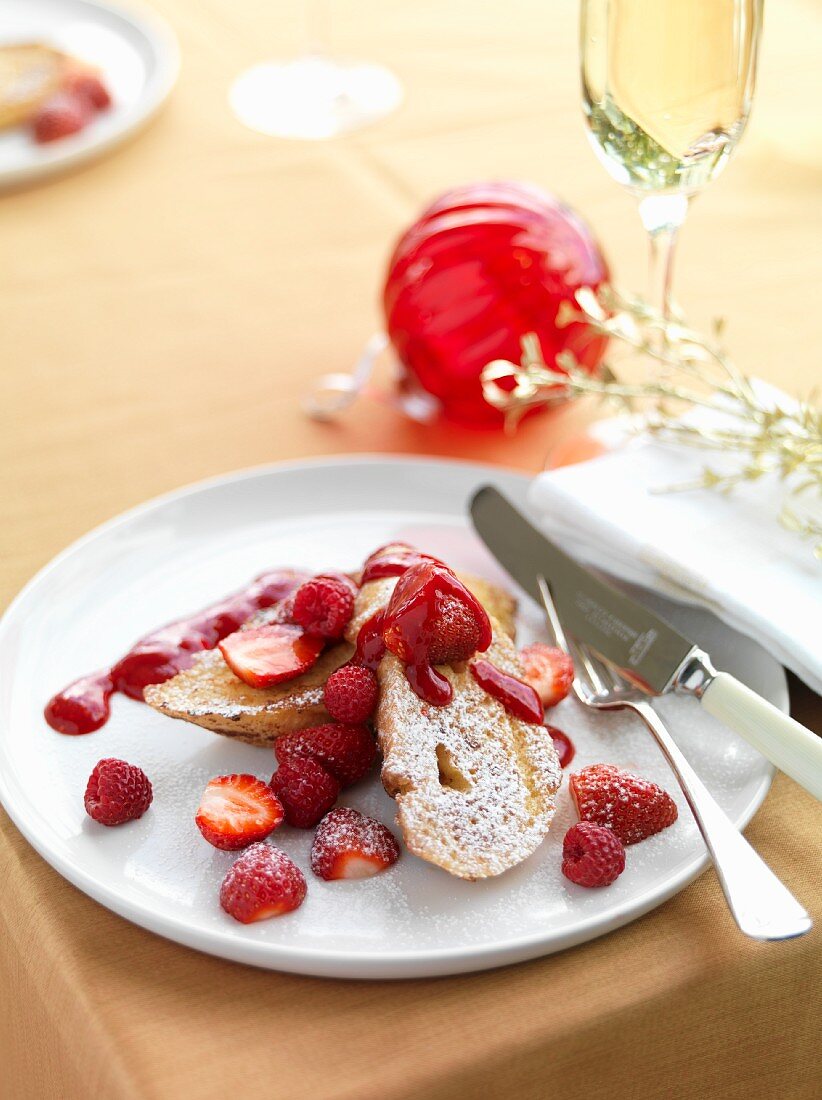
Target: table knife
(642,645)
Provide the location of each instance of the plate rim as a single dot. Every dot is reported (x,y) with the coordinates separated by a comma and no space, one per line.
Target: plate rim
(156,30)
(324,962)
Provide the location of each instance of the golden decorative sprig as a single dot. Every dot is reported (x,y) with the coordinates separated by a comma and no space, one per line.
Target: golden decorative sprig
(690,369)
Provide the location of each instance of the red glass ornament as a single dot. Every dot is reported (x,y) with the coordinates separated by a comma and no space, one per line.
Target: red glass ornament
(484,265)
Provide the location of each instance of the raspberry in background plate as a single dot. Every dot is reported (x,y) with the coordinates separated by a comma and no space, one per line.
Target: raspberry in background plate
(306,790)
(117,792)
(633,807)
(262,883)
(60,116)
(592,855)
(351,694)
(346,751)
(89,87)
(324,605)
(350,845)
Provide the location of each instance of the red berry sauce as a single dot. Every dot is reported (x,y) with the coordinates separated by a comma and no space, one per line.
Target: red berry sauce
(370,645)
(83,706)
(566,750)
(410,618)
(392,560)
(518,698)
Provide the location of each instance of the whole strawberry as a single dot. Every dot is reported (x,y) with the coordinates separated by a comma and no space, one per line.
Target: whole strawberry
(117,792)
(346,751)
(592,855)
(306,790)
(324,605)
(455,632)
(351,694)
(262,883)
(633,807)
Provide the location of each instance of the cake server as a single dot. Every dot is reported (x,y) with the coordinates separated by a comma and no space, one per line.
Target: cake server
(646,649)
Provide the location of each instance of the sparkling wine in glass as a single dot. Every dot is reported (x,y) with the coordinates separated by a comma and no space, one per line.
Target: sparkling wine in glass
(667,87)
(314,96)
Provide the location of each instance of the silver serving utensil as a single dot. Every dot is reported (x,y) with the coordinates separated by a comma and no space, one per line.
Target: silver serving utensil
(647,649)
(762,907)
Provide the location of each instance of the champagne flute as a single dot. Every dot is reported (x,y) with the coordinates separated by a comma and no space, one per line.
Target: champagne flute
(667,87)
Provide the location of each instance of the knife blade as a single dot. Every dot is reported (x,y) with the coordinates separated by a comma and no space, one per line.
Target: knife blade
(644,646)
(621,630)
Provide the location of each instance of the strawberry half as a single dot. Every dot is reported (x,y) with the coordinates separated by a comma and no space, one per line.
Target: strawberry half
(549,671)
(349,845)
(262,883)
(267,655)
(237,810)
(633,807)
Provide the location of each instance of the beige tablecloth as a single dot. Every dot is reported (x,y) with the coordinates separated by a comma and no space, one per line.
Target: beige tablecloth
(161,312)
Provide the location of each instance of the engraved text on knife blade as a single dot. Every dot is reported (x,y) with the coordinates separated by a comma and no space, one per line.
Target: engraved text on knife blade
(611,626)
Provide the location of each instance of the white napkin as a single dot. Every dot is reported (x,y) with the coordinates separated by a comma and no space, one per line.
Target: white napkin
(726,552)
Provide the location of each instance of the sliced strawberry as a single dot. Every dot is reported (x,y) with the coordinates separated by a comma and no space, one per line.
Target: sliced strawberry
(262,883)
(549,670)
(633,807)
(237,810)
(349,845)
(270,654)
(346,751)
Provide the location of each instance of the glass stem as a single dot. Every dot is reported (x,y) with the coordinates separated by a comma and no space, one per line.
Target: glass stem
(662,216)
(313,27)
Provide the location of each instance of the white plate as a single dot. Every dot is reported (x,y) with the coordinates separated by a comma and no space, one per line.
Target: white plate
(178,553)
(137,54)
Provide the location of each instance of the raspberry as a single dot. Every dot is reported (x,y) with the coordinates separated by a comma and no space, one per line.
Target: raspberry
(351,693)
(306,790)
(323,606)
(117,792)
(455,630)
(89,87)
(550,671)
(633,807)
(60,116)
(349,845)
(262,883)
(237,810)
(347,752)
(592,855)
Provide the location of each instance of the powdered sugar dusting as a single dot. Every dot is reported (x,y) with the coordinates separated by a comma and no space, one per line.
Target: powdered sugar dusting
(412,919)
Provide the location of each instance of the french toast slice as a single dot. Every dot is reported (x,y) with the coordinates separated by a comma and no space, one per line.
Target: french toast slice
(30,72)
(474,786)
(210,695)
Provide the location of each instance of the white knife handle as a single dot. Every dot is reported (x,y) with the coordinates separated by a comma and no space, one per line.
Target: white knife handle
(795,750)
